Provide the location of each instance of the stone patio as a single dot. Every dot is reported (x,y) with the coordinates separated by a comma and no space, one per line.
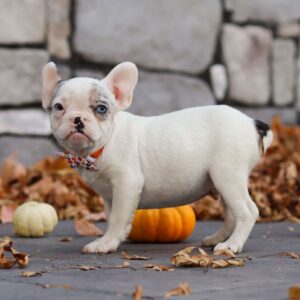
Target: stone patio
(266,276)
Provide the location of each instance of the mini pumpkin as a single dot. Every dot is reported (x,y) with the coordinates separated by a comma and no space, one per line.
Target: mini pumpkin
(34,219)
(163,225)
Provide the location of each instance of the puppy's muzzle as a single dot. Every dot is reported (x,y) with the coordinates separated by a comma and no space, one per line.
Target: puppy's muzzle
(79,125)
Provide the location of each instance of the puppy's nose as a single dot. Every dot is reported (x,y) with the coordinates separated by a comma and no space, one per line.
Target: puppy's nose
(77,120)
(79,125)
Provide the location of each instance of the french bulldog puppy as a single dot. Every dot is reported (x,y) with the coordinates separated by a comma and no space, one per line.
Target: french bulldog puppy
(154,162)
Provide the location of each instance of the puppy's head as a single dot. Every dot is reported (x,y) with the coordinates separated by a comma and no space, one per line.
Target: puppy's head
(82,109)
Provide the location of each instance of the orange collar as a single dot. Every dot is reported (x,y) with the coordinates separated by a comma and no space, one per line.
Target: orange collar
(97,153)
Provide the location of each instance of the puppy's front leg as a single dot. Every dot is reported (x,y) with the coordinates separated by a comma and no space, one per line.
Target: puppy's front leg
(126,196)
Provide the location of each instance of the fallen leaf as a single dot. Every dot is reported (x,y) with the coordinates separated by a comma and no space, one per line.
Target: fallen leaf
(294,292)
(183,289)
(125,255)
(125,264)
(96,217)
(31,274)
(138,292)
(225,252)
(86,228)
(291,254)
(19,258)
(12,171)
(158,267)
(88,268)
(202,259)
(65,239)
(7,212)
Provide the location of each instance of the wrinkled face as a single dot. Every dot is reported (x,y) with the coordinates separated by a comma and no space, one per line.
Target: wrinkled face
(81,114)
(82,109)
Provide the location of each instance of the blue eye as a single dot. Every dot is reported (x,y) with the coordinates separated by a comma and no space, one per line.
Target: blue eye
(101,109)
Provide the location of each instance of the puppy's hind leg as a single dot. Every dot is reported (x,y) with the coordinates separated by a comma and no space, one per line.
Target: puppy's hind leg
(233,187)
(224,232)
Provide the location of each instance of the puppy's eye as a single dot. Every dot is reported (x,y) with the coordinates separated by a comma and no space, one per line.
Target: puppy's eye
(101,109)
(58,107)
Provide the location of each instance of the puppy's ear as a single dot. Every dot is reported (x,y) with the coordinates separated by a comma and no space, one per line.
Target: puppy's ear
(50,79)
(121,81)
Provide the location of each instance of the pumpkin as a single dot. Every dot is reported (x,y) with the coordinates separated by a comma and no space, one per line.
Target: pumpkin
(163,225)
(34,219)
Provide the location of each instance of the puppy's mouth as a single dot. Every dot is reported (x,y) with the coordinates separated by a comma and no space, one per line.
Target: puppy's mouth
(78,138)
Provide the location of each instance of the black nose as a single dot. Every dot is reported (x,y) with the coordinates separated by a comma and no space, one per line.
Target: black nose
(78,124)
(77,120)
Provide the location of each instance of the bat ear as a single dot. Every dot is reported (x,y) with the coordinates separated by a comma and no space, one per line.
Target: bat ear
(50,79)
(121,81)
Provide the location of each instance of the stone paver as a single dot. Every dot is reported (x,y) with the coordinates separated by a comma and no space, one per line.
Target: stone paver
(263,277)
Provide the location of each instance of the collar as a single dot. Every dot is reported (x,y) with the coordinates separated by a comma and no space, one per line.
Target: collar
(87,162)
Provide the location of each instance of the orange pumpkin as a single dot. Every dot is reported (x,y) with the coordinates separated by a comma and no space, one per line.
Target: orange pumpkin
(163,225)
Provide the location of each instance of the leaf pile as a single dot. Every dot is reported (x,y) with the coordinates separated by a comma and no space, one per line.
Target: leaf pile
(50,180)
(202,259)
(19,258)
(274,183)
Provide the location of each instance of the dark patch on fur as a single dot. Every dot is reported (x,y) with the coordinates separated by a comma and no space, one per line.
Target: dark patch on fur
(262,128)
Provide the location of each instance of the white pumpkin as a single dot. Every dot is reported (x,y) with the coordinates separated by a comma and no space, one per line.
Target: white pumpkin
(34,219)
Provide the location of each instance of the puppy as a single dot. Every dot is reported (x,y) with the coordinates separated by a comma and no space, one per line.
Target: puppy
(154,162)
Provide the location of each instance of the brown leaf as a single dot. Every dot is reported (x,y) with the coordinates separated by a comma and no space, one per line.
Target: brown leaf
(138,292)
(19,258)
(291,254)
(65,239)
(86,228)
(225,252)
(125,255)
(7,211)
(125,264)
(12,171)
(185,258)
(31,274)
(96,217)
(158,267)
(294,292)
(88,268)
(182,289)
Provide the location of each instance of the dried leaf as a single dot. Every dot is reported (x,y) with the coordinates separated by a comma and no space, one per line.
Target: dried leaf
(96,217)
(88,268)
(125,255)
(158,267)
(138,292)
(291,254)
(31,274)
(12,171)
(182,289)
(7,212)
(86,228)
(65,239)
(225,252)
(185,258)
(19,258)
(125,264)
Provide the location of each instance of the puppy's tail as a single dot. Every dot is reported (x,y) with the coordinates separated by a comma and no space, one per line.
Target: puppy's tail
(265,135)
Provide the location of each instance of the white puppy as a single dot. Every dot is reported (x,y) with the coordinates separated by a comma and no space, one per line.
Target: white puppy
(152,162)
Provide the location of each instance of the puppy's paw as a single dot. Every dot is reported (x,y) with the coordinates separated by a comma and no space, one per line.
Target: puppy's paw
(101,246)
(210,241)
(235,247)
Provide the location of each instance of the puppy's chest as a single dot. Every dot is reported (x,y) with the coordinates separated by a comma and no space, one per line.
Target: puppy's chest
(98,182)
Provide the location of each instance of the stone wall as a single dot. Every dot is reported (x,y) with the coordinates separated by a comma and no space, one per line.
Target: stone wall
(189,52)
